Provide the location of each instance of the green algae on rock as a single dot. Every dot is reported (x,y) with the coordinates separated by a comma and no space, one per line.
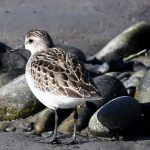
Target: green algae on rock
(17,100)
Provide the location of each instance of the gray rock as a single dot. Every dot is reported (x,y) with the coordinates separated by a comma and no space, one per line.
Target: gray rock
(17,101)
(8,75)
(132,40)
(142,93)
(134,80)
(117,115)
(110,87)
(11,60)
(143,90)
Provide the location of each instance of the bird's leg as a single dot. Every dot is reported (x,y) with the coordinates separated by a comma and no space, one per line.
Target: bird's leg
(75,117)
(54,138)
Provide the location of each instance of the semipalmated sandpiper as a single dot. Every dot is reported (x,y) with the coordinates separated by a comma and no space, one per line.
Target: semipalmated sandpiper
(57,78)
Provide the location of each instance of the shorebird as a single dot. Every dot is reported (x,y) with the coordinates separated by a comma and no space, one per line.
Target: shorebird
(57,78)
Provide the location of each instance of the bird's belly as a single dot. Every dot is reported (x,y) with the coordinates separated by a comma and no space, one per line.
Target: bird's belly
(50,100)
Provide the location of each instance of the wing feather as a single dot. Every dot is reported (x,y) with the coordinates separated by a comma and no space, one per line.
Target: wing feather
(61,73)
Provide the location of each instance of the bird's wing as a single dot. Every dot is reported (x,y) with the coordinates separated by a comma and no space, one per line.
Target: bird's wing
(61,73)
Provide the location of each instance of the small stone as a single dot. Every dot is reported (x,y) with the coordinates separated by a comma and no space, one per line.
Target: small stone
(28,127)
(10,129)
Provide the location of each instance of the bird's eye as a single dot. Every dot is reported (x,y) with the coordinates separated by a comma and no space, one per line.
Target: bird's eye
(30,41)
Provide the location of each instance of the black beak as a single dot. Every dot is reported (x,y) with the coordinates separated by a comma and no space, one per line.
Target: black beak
(18,48)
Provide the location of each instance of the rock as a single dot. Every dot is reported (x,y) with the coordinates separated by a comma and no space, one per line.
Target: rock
(132,40)
(110,87)
(92,69)
(96,128)
(112,65)
(134,80)
(134,66)
(44,120)
(8,75)
(10,129)
(10,60)
(124,76)
(117,115)
(79,53)
(20,125)
(17,101)
(115,74)
(84,114)
(142,93)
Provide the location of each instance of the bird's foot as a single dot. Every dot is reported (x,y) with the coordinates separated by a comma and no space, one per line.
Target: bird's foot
(55,141)
(72,142)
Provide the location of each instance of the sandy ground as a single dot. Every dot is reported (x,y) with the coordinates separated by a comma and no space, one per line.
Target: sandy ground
(25,141)
(86,24)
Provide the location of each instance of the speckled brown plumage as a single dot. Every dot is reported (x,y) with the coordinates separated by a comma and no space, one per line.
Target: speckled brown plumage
(61,73)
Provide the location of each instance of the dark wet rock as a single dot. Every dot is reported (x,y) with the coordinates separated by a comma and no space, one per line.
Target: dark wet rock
(110,87)
(134,66)
(9,60)
(124,76)
(132,40)
(117,115)
(8,75)
(17,101)
(76,51)
(142,93)
(92,69)
(112,65)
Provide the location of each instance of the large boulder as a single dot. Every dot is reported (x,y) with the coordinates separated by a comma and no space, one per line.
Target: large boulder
(117,115)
